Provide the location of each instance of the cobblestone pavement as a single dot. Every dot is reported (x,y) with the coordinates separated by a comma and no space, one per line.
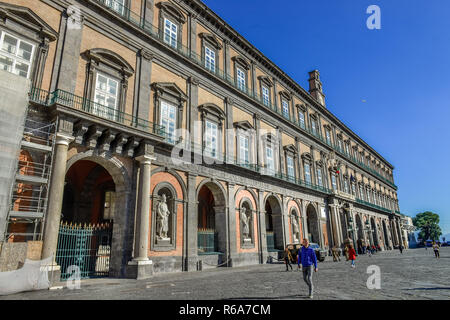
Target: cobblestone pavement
(415,274)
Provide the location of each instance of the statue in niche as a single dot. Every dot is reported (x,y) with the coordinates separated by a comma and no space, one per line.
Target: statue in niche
(245,221)
(296,228)
(163,218)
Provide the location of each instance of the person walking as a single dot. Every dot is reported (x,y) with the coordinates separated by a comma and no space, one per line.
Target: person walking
(287,258)
(307,258)
(352,255)
(346,252)
(368,251)
(436,250)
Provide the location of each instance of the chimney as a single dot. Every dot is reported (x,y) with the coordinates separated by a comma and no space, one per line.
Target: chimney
(315,87)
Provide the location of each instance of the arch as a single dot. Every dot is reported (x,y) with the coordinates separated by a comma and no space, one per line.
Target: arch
(312,219)
(217,190)
(274,224)
(253,194)
(176,176)
(212,207)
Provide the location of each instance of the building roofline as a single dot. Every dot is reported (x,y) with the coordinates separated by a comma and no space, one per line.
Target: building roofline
(253,51)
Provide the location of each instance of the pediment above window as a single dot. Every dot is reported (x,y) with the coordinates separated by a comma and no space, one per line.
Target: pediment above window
(241,61)
(266,80)
(172,10)
(109,58)
(210,38)
(169,90)
(327,126)
(301,107)
(243,125)
(212,110)
(306,156)
(285,95)
(27,18)
(290,149)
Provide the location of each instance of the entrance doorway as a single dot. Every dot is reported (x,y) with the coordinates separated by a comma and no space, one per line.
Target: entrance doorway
(85,234)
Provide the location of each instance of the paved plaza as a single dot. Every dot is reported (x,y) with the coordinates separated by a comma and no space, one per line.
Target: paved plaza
(415,274)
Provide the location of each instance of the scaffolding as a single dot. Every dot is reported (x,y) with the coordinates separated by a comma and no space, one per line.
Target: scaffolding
(30,191)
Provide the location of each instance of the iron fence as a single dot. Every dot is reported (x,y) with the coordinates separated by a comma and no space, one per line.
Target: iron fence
(86,246)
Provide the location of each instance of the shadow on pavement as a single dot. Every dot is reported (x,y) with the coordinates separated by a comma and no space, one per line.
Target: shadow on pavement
(435,288)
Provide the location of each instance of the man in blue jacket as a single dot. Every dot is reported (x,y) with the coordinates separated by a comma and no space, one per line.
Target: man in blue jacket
(307,257)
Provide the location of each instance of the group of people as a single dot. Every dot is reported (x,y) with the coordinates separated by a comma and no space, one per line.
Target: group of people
(307,258)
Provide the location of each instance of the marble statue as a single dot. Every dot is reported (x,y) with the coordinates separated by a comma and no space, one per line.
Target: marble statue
(163,217)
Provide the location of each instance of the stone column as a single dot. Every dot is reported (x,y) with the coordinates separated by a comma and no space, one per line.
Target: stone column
(285,221)
(141,267)
(190,252)
(334,225)
(304,220)
(275,95)
(56,192)
(232,243)
(253,76)
(281,162)
(226,58)
(262,240)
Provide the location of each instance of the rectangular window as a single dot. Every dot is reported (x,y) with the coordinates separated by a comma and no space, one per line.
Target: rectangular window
(265,95)
(301,119)
(168,120)
(290,167)
(244,150)
(319,177)
(170,33)
(361,192)
(15,55)
(270,159)
(313,127)
(345,186)
(240,79)
(211,142)
(116,5)
(346,149)
(333,182)
(285,108)
(328,137)
(353,189)
(106,97)
(340,145)
(210,59)
(307,170)
(368,196)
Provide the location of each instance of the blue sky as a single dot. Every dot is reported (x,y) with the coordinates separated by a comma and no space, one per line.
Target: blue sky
(401,71)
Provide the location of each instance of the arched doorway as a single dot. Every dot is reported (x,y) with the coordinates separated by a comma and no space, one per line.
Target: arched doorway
(85,235)
(211,237)
(274,224)
(374,232)
(312,220)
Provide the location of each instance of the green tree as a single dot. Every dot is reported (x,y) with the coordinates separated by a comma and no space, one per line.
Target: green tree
(428,223)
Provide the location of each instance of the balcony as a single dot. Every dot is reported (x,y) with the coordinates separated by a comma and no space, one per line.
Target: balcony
(368,204)
(72,101)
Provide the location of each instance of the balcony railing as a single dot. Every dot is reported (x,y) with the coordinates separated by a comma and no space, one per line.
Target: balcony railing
(372,205)
(193,56)
(79,103)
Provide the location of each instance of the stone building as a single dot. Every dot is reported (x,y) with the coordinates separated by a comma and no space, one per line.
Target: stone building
(263,162)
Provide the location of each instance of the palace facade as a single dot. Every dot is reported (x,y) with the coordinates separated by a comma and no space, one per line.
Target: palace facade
(106,167)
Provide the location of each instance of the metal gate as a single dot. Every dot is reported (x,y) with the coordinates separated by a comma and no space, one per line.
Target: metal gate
(86,246)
